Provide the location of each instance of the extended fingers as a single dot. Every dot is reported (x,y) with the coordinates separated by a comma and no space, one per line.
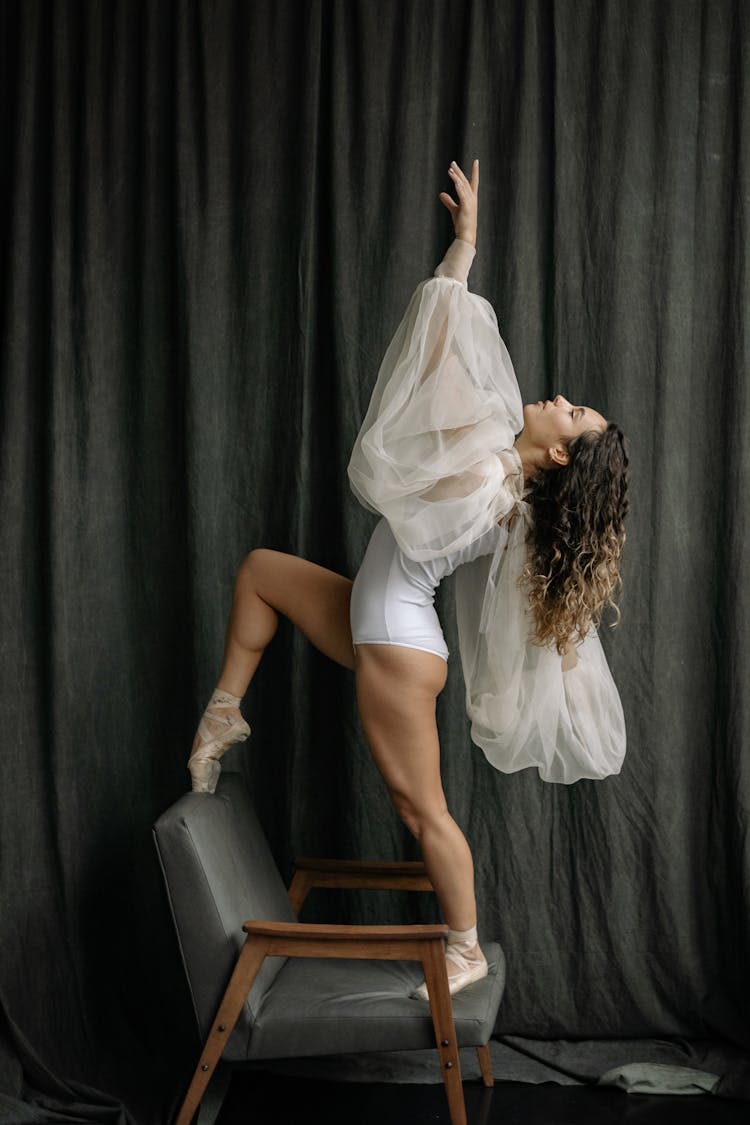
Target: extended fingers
(459,179)
(462,184)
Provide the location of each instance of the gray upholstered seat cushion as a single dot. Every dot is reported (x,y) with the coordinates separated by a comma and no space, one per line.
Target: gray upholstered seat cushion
(327,1007)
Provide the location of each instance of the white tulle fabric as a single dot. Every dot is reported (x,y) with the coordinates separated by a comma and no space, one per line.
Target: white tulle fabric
(524,709)
(435,456)
(445,404)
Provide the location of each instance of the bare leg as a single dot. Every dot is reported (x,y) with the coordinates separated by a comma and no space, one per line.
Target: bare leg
(314,599)
(268,583)
(396,691)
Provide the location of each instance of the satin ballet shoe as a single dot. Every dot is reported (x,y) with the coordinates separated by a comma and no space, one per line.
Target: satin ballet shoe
(217,732)
(470,969)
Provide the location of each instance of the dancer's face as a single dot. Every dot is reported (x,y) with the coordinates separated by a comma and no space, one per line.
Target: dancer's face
(551,425)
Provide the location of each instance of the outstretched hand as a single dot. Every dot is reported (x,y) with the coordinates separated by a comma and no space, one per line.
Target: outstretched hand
(463,213)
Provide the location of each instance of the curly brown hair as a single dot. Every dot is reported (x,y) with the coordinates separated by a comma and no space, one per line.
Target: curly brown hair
(574,544)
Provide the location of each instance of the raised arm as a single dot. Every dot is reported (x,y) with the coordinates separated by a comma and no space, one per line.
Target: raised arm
(460,254)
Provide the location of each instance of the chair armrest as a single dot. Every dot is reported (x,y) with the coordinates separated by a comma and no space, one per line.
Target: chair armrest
(353,866)
(381,943)
(346,933)
(353,874)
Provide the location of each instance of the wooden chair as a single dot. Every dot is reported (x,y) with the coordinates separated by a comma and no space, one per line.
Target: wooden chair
(295,988)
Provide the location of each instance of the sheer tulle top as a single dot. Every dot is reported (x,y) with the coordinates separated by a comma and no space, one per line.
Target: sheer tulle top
(435,456)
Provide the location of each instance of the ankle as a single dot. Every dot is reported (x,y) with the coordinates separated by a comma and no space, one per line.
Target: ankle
(223,698)
(463,944)
(454,937)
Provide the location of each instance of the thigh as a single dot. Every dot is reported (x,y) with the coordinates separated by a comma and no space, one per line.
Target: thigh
(314,599)
(396,693)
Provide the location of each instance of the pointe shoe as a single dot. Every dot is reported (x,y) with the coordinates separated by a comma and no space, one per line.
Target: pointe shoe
(470,969)
(217,732)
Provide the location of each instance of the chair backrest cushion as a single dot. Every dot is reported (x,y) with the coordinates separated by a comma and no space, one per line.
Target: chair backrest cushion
(219,873)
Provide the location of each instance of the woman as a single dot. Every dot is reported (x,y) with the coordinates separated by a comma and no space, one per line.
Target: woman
(534,524)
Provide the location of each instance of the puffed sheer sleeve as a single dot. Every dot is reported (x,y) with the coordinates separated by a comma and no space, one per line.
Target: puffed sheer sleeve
(429,456)
(524,709)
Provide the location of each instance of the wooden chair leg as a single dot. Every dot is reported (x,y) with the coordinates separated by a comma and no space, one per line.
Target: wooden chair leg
(485,1064)
(433,960)
(485,1105)
(214,1095)
(241,981)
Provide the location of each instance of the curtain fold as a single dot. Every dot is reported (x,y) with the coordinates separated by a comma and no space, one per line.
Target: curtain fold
(213,215)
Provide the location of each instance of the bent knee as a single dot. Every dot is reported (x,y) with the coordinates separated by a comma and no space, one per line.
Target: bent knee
(259,558)
(256,562)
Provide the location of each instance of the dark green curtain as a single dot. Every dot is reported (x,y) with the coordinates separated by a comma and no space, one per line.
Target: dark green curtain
(212,217)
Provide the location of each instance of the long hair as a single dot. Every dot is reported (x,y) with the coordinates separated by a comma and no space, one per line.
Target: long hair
(574,545)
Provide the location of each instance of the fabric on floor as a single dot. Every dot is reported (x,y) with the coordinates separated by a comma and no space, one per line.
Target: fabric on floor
(33,1094)
(655,1067)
